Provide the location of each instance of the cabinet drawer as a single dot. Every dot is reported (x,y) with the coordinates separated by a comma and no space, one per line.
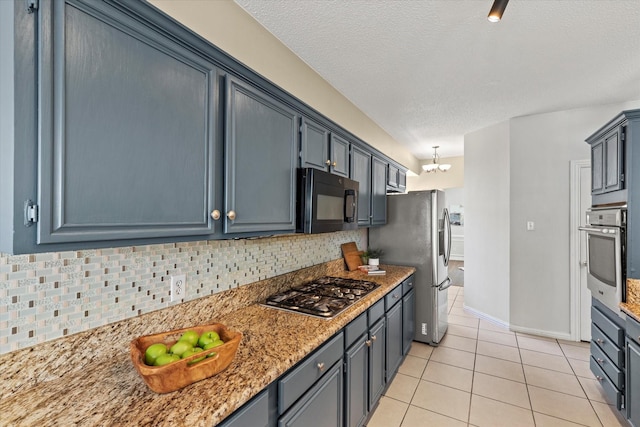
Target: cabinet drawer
(303,376)
(407,285)
(254,413)
(355,329)
(633,330)
(600,339)
(612,394)
(393,297)
(613,331)
(376,311)
(613,371)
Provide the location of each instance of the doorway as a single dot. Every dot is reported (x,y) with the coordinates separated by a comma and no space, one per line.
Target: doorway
(580,296)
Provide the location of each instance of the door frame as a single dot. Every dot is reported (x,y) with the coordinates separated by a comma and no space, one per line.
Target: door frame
(574,245)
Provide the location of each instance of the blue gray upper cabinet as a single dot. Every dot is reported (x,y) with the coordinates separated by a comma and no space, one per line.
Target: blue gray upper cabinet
(361,172)
(323,150)
(260,161)
(378,191)
(126,128)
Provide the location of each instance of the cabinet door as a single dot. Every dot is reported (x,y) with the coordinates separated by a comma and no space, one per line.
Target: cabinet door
(321,406)
(127,122)
(613,161)
(379,192)
(361,172)
(597,167)
(377,376)
(632,390)
(314,145)
(260,161)
(356,382)
(402,180)
(393,177)
(394,339)
(339,156)
(408,320)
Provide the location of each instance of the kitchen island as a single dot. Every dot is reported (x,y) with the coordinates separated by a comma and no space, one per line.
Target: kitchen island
(89,378)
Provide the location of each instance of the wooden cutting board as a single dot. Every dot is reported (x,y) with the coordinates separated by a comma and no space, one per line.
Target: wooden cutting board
(352,256)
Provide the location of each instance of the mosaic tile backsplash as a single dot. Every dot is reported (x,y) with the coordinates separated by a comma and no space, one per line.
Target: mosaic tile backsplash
(50,295)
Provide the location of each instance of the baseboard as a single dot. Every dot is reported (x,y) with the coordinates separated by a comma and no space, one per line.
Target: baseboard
(549,334)
(531,331)
(485,316)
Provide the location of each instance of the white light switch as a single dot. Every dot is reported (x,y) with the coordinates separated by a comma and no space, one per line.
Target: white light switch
(531,225)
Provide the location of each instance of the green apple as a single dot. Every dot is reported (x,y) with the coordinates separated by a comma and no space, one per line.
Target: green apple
(153,351)
(215,343)
(208,337)
(180,347)
(191,352)
(165,359)
(191,337)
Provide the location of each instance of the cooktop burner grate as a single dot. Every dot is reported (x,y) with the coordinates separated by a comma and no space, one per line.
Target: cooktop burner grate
(324,297)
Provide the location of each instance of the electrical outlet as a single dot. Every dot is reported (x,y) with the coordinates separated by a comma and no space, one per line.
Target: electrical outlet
(178,287)
(531,225)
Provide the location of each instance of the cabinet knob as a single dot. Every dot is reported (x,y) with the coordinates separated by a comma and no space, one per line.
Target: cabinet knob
(321,366)
(395,296)
(599,378)
(368,343)
(231,215)
(373,338)
(600,361)
(328,163)
(215,214)
(599,341)
(334,164)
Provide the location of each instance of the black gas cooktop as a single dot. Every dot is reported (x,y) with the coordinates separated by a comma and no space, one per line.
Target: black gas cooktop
(325,297)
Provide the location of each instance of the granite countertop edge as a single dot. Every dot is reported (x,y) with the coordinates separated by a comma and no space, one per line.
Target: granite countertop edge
(80,382)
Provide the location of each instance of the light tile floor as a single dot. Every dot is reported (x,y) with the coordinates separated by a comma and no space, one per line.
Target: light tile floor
(482,374)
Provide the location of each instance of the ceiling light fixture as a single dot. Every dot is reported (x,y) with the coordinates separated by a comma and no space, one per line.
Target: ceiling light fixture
(495,14)
(435,165)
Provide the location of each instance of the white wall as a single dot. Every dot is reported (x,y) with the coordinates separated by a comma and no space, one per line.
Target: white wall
(486,244)
(453,178)
(230,28)
(541,148)
(517,276)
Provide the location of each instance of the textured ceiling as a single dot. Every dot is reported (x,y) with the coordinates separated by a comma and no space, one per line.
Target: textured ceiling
(430,71)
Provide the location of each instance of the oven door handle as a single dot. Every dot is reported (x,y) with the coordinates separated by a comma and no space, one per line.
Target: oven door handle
(591,229)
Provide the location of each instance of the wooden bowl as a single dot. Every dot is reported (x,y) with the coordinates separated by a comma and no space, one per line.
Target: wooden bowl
(175,375)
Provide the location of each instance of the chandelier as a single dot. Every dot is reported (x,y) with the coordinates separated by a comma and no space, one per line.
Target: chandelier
(435,165)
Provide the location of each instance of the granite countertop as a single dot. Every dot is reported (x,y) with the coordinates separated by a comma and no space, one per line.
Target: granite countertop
(632,306)
(89,378)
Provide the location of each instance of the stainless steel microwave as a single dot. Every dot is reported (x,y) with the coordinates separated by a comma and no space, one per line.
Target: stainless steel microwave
(325,202)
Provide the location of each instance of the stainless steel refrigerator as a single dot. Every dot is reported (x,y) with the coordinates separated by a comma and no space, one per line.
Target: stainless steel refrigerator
(418,234)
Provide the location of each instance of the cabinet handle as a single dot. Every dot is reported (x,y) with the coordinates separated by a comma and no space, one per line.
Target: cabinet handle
(373,338)
(328,163)
(599,378)
(599,341)
(395,296)
(231,215)
(368,343)
(215,214)
(600,361)
(321,366)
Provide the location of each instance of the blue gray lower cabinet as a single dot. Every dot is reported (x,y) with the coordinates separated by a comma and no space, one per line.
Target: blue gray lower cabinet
(341,382)
(607,355)
(633,371)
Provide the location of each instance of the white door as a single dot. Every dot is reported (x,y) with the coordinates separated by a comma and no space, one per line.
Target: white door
(581,296)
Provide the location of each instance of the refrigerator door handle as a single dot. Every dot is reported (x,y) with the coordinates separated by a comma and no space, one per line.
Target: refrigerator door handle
(442,287)
(447,229)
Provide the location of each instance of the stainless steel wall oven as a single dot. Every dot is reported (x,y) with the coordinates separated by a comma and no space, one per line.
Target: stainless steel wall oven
(606,243)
